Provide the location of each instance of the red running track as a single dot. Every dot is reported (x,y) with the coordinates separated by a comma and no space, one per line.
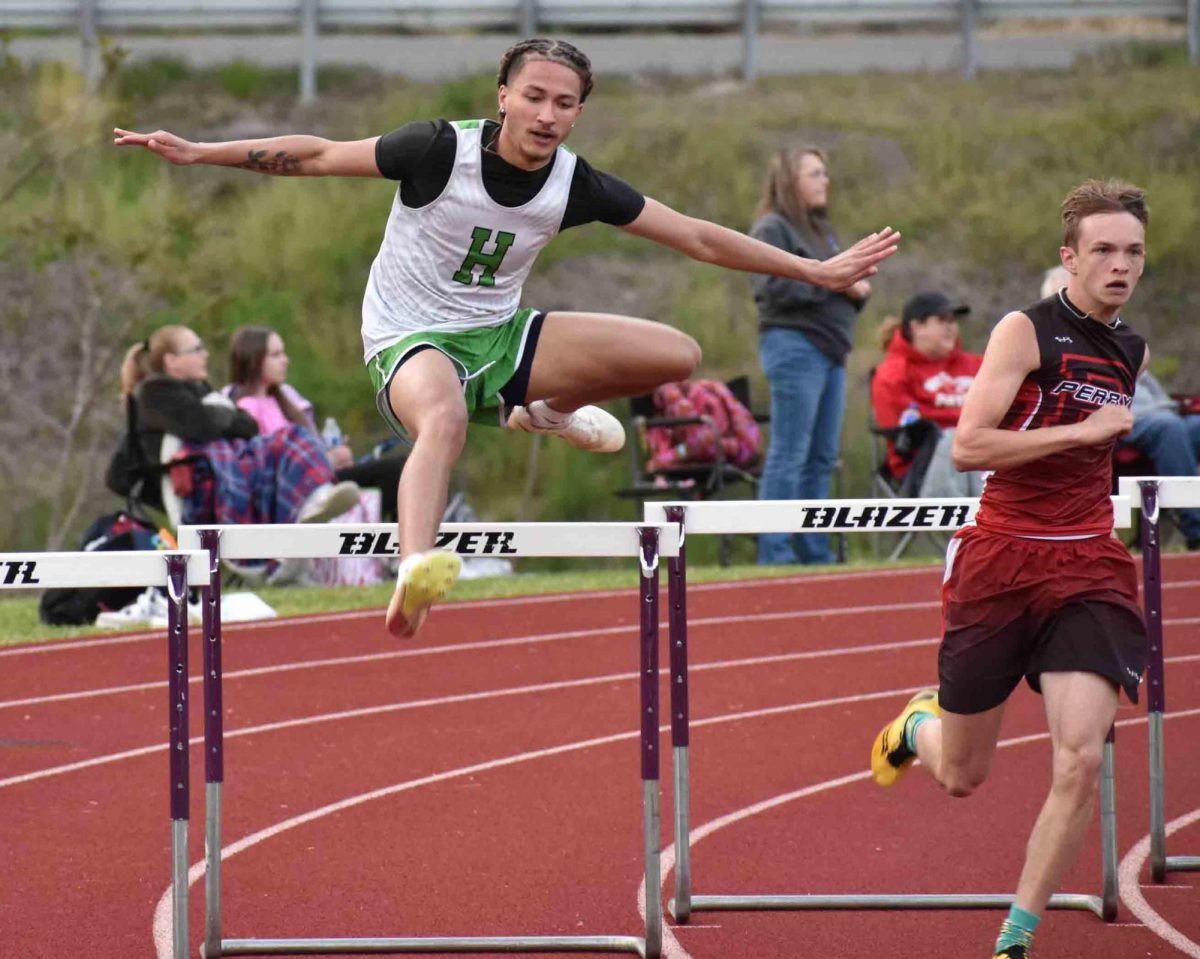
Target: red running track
(483,780)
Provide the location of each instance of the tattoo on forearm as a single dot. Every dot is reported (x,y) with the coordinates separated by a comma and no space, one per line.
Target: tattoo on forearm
(282,162)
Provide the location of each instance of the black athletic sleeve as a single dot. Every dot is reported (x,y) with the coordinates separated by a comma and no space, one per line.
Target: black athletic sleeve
(420,155)
(600,196)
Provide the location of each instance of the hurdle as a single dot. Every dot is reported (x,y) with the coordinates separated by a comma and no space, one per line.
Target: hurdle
(174,570)
(646,542)
(848,516)
(1153,493)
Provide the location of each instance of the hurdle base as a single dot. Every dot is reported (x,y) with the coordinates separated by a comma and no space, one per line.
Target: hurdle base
(1183,863)
(1083,903)
(321,947)
(179,888)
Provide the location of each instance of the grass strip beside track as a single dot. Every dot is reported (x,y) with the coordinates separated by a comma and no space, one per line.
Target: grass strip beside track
(19,618)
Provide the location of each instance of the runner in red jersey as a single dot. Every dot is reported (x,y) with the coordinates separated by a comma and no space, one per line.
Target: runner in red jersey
(1039,588)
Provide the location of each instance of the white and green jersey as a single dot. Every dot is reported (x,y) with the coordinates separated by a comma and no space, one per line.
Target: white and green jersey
(459,262)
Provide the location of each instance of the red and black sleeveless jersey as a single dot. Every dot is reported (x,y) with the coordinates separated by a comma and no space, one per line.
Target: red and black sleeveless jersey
(1085,364)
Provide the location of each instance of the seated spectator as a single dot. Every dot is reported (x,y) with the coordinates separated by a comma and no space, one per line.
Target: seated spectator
(1171,441)
(238,476)
(925,376)
(258,367)
(1053,280)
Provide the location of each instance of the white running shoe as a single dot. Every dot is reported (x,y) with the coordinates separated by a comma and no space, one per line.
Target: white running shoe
(195,613)
(138,613)
(588,428)
(328,501)
(150,609)
(289,572)
(422,580)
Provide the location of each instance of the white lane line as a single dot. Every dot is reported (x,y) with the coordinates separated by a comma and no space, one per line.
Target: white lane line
(628,629)
(520,641)
(672,949)
(419,704)
(1131,891)
(53,646)
(490,694)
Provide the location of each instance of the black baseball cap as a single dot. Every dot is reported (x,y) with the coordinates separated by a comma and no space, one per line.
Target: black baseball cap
(932,303)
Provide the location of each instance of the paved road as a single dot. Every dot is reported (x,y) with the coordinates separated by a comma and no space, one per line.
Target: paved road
(434,58)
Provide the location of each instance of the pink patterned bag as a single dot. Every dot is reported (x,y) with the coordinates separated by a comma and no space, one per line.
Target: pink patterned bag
(732,426)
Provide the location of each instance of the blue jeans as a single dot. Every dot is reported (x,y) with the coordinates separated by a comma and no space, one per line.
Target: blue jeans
(1173,443)
(808,397)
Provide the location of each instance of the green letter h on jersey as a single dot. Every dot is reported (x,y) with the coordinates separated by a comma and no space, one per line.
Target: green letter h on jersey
(489,261)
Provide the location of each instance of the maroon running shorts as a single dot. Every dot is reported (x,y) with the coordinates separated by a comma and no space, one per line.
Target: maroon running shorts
(1014,607)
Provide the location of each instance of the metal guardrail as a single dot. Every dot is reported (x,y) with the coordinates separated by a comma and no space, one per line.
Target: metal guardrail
(607,14)
(750,17)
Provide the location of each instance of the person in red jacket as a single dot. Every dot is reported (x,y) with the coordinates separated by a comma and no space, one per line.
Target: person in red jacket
(925,376)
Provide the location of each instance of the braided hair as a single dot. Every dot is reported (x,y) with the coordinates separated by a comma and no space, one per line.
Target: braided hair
(541,48)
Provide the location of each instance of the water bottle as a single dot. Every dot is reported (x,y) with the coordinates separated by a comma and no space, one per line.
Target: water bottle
(910,415)
(331,433)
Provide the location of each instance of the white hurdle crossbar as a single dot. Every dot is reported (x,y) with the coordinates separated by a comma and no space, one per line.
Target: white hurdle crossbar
(172,570)
(646,542)
(833,516)
(1152,494)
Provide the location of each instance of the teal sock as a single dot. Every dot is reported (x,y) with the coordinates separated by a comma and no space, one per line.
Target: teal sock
(1017,929)
(910,729)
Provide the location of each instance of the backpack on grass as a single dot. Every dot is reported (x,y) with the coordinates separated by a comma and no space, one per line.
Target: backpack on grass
(81,606)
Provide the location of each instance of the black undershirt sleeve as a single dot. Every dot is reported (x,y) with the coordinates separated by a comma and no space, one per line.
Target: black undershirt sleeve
(600,196)
(420,155)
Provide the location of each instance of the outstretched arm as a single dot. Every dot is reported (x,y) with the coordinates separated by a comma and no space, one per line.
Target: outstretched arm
(710,243)
(980,444)
(298,155)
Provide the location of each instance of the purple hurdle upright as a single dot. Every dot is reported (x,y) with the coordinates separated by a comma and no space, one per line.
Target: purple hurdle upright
(645,541)
(214,743)
(1156,695)
(651,794)
(177,722)
(681,905)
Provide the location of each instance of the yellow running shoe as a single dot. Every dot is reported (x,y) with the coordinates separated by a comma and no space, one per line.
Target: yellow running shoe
(423,579)
(890,756)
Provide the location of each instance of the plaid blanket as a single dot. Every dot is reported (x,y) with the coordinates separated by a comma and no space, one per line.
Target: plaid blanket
(265,479)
